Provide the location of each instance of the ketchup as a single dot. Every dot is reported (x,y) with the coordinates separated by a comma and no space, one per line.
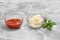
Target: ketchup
(14,23)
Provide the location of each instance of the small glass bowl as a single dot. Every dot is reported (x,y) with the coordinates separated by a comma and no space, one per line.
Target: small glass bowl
(30,16)
(13,16)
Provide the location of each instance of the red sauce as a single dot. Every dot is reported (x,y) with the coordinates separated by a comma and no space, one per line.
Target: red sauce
(14,23)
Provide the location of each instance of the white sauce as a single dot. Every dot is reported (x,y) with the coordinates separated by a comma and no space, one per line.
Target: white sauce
(35,21)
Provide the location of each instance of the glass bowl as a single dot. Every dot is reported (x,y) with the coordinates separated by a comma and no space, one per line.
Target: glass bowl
(30,17)
(13,20)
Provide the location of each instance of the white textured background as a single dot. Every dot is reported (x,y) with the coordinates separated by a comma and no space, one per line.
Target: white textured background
(46,8)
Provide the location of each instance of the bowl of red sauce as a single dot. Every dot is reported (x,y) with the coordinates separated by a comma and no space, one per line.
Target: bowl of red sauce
(13,21)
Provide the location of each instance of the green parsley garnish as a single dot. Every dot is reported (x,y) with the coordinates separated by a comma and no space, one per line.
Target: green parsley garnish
(48,24)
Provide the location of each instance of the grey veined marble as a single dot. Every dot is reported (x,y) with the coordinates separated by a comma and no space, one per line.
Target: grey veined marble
(48,9)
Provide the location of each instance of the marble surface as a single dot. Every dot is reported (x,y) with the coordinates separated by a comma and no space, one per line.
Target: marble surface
(49,9)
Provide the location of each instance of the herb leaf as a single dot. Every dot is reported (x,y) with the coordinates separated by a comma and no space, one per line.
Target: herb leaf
(45,20)
(48,24)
